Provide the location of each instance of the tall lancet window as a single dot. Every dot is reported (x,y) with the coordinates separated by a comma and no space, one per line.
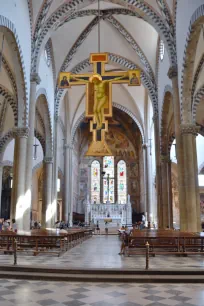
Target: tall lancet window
(95,182)
(108,179)
(122,182)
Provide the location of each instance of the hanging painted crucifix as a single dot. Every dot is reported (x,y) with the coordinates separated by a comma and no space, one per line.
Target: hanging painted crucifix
(99,97)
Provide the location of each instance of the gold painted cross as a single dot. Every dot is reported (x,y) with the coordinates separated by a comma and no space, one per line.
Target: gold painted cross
(99,97)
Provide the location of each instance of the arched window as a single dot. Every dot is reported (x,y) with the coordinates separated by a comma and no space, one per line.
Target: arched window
(108,179)
(95,182)
(122,182)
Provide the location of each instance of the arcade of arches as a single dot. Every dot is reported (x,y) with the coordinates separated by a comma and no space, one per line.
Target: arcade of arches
(156,133)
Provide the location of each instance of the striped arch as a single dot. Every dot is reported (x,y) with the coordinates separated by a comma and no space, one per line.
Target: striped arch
(22,82)
(116,105)
(196,100)
(193,34)
(197,75)
(145,11)
(49,132)
(4,141)
(41,140)
(12,101)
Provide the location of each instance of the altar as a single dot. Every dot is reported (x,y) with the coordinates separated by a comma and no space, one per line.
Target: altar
(114,214)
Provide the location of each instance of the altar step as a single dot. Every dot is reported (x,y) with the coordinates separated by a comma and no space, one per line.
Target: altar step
(101,275)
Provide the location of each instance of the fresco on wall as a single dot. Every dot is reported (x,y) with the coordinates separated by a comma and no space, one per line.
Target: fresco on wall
(202,206)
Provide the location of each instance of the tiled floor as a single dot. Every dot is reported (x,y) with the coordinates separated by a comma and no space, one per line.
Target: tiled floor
(102,252)
(36,293)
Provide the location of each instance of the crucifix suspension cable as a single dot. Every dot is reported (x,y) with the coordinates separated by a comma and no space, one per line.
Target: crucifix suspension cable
(99,29)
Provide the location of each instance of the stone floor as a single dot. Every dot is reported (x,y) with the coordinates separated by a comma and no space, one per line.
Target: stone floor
(102,252)
(38,293)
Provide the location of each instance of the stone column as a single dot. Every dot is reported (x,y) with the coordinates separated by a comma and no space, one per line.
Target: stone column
(1,175)
(13,192)
(173,75)
(166,205)
(146,196)
(192,203)
(170,203)
(22,207)
(55,171)
(68,183)
(47,207)
(158,170)
(34,80)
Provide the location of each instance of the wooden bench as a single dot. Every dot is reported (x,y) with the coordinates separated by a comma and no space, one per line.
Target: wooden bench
(165,243)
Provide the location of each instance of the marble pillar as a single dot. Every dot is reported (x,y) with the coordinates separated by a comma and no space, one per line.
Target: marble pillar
(68,183)
(166,205)
(22,207)
(173,75)
(34,80)
(192,203)
(47,208)
(146,196)
(158,170)
(55,171)
(13,192)
(1,175)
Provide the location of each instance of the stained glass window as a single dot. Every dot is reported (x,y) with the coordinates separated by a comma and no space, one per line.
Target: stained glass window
(108,179)
(95,182)
(122,182)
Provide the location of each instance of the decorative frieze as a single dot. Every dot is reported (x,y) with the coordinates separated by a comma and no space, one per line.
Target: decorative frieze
(189,129)
(22,132)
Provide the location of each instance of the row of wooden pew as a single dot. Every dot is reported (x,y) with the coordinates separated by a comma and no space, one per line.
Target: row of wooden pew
(42,241)
(165,242)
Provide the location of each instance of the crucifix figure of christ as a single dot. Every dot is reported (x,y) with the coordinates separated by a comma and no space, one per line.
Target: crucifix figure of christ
(99,97)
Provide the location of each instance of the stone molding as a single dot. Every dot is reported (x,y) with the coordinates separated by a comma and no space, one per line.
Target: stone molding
(189,129)
(48,160)
(34,78)
(22,132)
(173,72)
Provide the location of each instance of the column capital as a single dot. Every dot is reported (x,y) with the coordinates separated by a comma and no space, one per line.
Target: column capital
(34,78)
(22,132)
(173,72)
(165,158)
(48,160)
(189,129)
(68,146)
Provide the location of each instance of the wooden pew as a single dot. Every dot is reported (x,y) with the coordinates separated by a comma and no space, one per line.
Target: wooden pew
(165,242)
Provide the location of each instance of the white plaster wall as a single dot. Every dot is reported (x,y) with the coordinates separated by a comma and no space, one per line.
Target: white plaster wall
(17,12)
(40,154)
(185,10)
(200,149)
(9,152)
(46,77)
